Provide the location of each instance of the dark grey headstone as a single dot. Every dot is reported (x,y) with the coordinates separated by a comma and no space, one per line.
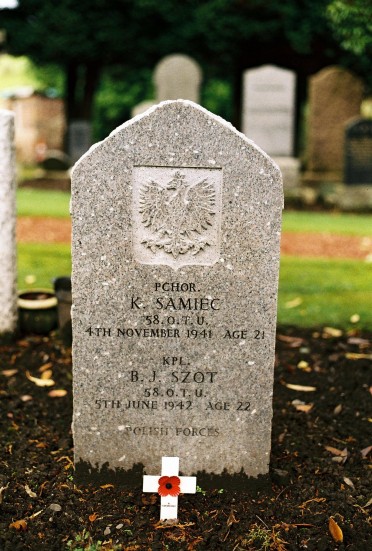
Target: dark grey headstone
(79,138)
(358,152)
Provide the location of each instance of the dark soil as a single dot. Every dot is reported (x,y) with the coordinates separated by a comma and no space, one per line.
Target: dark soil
(320,464)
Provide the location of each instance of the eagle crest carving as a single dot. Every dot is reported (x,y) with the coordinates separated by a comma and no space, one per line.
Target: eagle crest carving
(178,213)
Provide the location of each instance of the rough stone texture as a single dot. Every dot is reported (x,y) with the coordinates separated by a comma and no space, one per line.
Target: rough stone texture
(204,384)
(335,96)
(177,76)
(8,270)
(268,108)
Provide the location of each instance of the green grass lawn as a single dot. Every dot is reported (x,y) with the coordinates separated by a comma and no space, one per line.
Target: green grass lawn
(327,222)
(40,264)
(327,292)
(38,202)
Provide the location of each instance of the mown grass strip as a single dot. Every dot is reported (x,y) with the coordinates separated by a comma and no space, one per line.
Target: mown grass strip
(327,222)
(38,202)
(327,292)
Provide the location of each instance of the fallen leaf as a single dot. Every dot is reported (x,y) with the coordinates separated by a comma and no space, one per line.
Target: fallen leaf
(26,397)
(47,374)
(335,451)
(30,279)
(57,393)
(349,482)
(335,531)
(2,490)
(301,388)
(369,502)
(304,366)
(293,342)
(149,499)
(337,409)
(9,372)
(304,407)
(39,382)
(366,451)
(356,356)
(45,367)
(19,525)
(359,341)
(29,491)
(24,343)
(293,303)
(93,517)
(331,332)
(107,486)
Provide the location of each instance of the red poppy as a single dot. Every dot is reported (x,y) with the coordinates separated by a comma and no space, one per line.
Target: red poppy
(169,486)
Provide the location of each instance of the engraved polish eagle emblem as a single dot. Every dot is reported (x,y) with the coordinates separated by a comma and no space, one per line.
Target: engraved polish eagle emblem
(177,213)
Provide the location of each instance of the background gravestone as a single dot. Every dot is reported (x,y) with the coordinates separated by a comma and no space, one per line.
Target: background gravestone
(79,139)
(269,108)
(8,271)
(335,96)
(177,76)
(358,152)
(268,116)
(142,107)
(176,231)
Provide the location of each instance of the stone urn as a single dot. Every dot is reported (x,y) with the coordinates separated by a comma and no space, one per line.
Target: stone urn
(37,310)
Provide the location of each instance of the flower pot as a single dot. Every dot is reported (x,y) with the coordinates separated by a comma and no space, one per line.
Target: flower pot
(37,310)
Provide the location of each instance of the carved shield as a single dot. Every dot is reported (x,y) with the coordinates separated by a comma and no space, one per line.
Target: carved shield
(176,215)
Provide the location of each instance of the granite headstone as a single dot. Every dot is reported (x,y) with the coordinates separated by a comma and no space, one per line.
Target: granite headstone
(176,234)
(8,271)
(269,108)
(335,96)
(177,76)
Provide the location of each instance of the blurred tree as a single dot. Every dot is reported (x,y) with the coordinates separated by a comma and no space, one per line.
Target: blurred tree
(225,36)
(352,22)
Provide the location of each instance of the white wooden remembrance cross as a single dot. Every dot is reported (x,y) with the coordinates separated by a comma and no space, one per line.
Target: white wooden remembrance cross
(169,485)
